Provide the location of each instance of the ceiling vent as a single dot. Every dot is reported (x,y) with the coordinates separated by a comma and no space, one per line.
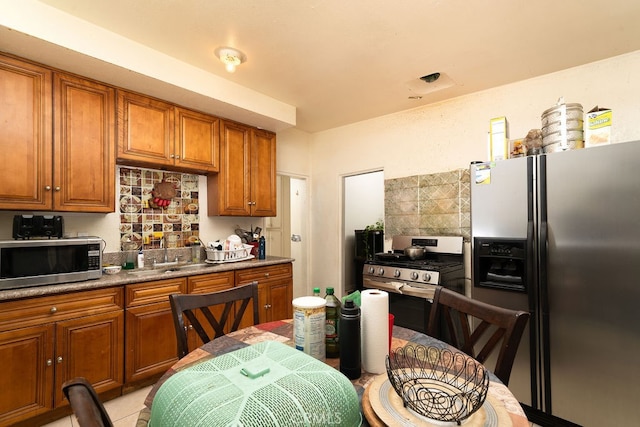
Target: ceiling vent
(429,83)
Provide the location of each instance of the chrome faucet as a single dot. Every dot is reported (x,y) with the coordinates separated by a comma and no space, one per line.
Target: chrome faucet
(163,244)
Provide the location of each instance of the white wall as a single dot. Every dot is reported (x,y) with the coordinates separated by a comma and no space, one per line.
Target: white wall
(449,135)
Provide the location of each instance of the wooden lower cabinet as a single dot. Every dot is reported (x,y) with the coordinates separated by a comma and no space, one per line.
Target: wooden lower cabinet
(90,347)
(26,383)
(206,283)
(275,290)
(48,340)
(151,347)
(118,338)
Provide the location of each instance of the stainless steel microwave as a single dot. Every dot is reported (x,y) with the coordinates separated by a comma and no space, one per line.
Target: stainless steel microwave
(25,263)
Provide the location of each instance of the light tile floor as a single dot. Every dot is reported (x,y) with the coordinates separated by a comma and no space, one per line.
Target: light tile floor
(123,411)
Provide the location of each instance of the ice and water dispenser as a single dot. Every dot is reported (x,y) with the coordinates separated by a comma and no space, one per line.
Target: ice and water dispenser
(500,263)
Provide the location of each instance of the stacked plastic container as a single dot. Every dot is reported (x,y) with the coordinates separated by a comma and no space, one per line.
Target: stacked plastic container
(562,127)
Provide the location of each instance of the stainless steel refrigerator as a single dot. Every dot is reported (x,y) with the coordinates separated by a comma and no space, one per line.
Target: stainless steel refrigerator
(559,235)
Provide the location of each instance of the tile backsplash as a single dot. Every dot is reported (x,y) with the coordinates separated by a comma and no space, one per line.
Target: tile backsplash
(143,224)
(433,204)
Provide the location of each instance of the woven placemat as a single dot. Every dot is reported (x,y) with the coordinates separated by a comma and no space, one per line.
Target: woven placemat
(381,401)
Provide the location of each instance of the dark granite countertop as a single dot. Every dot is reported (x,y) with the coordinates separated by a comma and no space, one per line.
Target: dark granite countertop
(130,276)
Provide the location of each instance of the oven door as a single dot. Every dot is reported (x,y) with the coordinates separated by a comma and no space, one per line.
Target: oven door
(410,305)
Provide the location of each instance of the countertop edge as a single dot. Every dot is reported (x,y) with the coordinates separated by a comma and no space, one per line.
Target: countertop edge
(124,278)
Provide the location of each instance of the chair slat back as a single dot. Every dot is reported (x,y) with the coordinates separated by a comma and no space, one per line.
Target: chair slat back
(201,312)
(478,328)
(85,403)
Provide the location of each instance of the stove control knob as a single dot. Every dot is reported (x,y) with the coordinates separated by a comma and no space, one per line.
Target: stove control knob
(396,273)
(371,270)
(380,271)
(414,275)
(426,277)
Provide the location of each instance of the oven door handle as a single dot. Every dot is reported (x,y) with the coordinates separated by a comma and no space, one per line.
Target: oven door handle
(427,291)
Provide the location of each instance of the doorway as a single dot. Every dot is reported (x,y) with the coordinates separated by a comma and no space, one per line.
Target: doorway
(287,233)
(363,204)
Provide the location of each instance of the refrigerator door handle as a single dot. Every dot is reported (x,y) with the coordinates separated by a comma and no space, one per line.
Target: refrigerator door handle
(531,281)
(543,256)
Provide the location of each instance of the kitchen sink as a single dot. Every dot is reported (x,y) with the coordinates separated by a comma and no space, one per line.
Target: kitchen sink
(168,269)
(149,272)
(191,266)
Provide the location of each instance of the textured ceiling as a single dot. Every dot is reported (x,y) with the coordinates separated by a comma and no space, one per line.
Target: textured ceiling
(341,61)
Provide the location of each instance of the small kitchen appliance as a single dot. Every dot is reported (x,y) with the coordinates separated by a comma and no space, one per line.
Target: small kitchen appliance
(411,283)
(36,262)
(38,226)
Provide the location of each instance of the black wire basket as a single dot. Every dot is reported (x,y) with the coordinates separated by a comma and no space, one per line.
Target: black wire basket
(437,383)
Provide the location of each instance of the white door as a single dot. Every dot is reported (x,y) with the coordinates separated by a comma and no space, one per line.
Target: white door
(287,234)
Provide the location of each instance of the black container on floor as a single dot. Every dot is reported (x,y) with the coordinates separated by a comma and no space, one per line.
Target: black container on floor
(349,340)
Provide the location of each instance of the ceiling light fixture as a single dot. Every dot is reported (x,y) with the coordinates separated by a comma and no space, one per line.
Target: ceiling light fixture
(230,57)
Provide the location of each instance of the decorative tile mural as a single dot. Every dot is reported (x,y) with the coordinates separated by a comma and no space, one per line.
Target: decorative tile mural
(145,225)
(433,204)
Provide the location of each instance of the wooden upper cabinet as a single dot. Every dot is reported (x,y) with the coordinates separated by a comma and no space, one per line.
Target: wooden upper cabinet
(155,133)
(229,191)
(62,161)
(84,145)
(246,184)
(263,173)
(197,141)
(25,135)
(145,130)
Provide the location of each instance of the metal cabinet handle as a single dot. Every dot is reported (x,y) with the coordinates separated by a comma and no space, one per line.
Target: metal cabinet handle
(59,359)
(53,310)
(177,157)
(49,362)
(266,274)
(57,188)
(47,187)
(267,306)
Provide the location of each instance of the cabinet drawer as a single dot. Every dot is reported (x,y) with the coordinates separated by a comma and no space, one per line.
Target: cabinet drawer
(34,311)
(263,273)
(157,291)
(213,282)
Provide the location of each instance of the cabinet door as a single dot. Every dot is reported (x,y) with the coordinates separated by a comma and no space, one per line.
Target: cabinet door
(151,345)
(84,145)
(280,299)
(145,130)
(150,338)
(25,135)
(26,382)
(197,144)
(275,290)
(263,173)
(229,190)
(206,283)
(90,347)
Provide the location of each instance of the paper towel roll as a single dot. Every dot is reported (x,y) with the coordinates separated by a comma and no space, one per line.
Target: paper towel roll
(374,321)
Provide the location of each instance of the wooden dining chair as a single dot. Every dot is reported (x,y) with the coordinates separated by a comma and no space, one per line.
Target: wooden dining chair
(85,403)
(198,309)
(477,328)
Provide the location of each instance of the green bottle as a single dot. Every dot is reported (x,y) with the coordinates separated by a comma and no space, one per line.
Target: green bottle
(316,292)
(331,326)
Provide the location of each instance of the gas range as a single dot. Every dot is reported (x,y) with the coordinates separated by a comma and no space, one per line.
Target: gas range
(443,264)
(411,284)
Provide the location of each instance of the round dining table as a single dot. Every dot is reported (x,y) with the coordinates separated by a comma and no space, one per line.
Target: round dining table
(510,412)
